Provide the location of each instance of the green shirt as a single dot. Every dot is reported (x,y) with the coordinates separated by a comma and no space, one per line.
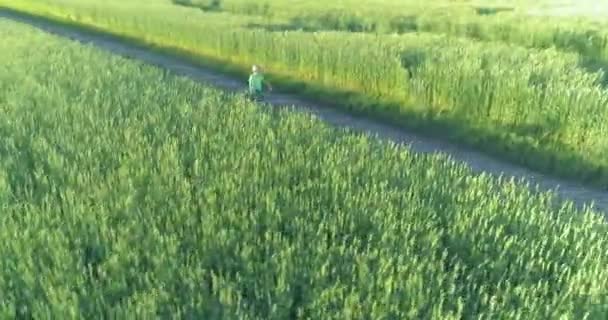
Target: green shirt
(256,81)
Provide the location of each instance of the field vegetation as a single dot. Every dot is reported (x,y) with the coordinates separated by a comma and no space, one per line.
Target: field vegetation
(128,192)
(530,89)
(484,20)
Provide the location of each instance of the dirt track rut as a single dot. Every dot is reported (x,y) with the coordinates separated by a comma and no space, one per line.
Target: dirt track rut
(479,162)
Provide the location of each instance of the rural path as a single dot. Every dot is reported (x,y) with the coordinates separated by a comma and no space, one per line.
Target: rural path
(565,190)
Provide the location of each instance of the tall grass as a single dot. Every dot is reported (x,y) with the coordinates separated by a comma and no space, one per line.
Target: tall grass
(535,107)
(492,22)
(130,193)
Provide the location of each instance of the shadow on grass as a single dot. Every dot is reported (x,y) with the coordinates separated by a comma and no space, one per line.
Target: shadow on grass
(595,65)
(204,5)
(489,11)
(279,27)
(344,23)
(251,9)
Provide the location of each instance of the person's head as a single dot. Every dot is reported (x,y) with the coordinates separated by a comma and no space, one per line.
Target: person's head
(255,68)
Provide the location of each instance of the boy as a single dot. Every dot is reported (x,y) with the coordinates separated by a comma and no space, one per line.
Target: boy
(256,83)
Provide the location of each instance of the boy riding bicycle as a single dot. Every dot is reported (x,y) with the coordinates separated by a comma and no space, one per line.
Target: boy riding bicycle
(256,83)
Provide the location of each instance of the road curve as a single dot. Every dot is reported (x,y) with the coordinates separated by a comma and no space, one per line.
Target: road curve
(565,190)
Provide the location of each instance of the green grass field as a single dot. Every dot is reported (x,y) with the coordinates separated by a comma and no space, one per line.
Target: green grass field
(527,88)
(130,193)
